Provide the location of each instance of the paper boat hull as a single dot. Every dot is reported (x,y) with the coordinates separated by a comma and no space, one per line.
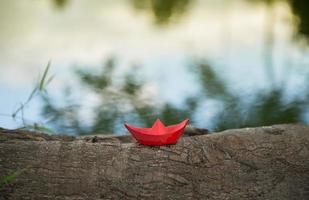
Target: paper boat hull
(156,140)
(158,134)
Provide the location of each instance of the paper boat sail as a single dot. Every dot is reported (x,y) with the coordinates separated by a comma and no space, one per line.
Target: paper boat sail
(158,134)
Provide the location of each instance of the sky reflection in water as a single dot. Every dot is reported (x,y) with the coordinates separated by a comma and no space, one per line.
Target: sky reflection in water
(236,64)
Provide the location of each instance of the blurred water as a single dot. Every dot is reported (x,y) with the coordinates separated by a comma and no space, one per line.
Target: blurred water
(239,63)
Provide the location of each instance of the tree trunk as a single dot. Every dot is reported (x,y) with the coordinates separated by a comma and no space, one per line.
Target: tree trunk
(250,163)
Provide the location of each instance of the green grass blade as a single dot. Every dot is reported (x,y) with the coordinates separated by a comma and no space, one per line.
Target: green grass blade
(17,110)
(11,177)
(49,80)
(32,94)
(41,86)
(37,127)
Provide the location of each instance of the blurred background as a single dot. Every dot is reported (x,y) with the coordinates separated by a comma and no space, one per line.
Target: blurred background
(223,64)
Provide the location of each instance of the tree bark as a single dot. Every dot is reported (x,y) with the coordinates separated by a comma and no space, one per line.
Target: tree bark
(250,163)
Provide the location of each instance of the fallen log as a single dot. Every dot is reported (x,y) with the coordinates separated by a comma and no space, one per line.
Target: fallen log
(251,163)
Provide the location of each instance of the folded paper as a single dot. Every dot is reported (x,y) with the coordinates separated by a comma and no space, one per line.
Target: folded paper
(158,134)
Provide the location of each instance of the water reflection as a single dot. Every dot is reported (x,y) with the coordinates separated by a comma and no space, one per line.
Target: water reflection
(247,71)
(124,102)
(163,10)
(300,9)
(117,103)
(60,3)
(265,107)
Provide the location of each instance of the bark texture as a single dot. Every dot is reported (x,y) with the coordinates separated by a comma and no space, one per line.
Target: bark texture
(250,163)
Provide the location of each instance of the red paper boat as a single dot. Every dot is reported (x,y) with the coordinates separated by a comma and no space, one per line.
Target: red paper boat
(158,134)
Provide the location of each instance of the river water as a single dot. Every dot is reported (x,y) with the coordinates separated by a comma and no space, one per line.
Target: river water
(240,63)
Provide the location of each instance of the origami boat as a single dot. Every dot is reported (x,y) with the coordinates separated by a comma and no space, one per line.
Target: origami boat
(158,134)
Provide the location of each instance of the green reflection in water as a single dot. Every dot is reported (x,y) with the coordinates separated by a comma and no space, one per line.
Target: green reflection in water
(60,3)
(122,102)
(163,10)
(300,9)
(266,107)
(118,103)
